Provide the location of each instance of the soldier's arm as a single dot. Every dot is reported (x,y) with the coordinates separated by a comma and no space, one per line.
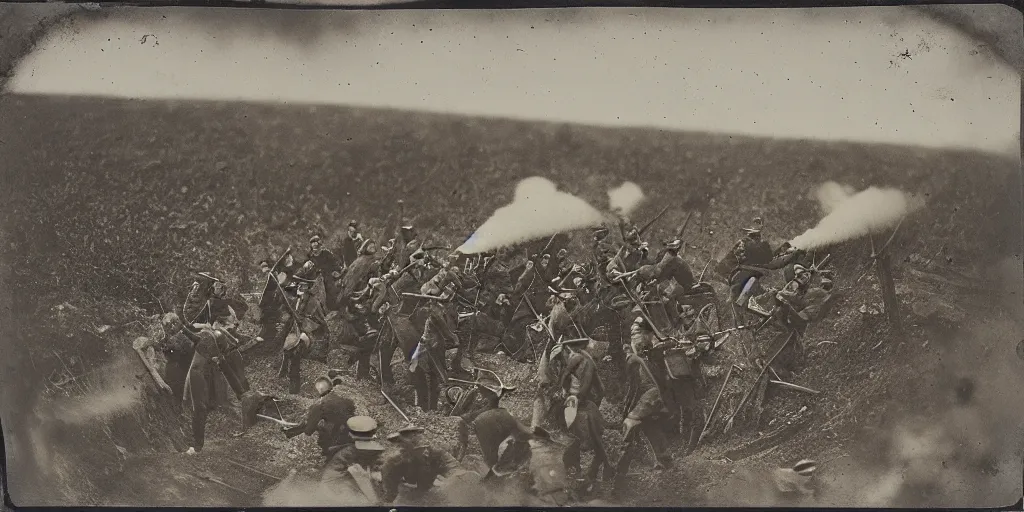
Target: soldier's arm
(391,477)
(447,464)
(443,328)
(312,421)
(570,367)
(587,379)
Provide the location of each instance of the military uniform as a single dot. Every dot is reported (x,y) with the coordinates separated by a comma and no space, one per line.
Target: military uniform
(415,463)
(643,405)
(428,366)
(361,448)
(204,385)
(327,418)
(579,378)
(196,300)
(325,264)
(359,272)
(366,323)
(350,245)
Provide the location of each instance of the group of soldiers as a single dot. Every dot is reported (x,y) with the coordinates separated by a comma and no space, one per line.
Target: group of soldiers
(657,334)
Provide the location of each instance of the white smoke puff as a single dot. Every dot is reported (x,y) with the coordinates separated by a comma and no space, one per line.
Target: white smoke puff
(538,210)
(866,212)
(625,198)
(831,194)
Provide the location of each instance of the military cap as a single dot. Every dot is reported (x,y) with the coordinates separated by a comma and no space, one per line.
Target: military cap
(353,224)
(674,244)
(363,430)
(752,231)
(805,467)
(314,238)
(323,384)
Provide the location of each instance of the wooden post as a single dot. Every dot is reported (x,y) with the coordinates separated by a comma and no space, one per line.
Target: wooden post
(883,267)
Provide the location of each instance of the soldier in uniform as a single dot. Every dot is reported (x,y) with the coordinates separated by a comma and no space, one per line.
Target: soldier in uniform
(581,384)
(359,271)
(484,397)
(645,413)
(601,251)
(351,243)
(750,254)
(359,448)
(324,264)
(327,417)
(273,311)
(204,384)
(366,322)
(416,463)
(198,296)
(428,361)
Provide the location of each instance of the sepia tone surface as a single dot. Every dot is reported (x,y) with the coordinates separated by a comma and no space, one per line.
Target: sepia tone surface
(143,147)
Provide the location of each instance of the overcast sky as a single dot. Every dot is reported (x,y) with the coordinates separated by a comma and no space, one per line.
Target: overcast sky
(865,74)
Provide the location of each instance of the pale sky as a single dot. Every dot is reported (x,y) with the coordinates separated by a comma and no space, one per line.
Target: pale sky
(827,74)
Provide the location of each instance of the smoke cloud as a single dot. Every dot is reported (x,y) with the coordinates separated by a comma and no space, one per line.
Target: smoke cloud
(849,216)
(538,209)
(301,491)
(625,198)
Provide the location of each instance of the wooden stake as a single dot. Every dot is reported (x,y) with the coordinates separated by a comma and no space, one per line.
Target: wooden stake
(883,267)
(728,425)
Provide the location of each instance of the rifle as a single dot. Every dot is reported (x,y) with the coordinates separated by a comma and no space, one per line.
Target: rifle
(686,222)
(652,221)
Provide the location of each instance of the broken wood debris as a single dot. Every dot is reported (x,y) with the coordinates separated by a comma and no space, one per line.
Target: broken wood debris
(794,387)
(765,442)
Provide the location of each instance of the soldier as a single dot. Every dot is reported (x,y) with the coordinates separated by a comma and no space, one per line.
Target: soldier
(351,243)
(676,366)
(360,451)
(359,271)
(560,322)
(296,345)
(203,386)
(416,463)
(601,251)
(583,388)
(749,258)
(366,322)
(645,413)
(327,417)
(407,243)
(428,361)
(198,297)
(272,306)
(326,266)
(483,397)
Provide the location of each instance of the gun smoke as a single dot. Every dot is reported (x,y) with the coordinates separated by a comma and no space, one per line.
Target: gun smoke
(625,198)
(849,216)
(538,209)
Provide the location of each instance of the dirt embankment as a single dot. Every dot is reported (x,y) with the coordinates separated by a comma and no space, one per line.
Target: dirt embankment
(113,219)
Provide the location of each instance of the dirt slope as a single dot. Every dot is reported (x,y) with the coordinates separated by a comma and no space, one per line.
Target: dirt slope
(119,201)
